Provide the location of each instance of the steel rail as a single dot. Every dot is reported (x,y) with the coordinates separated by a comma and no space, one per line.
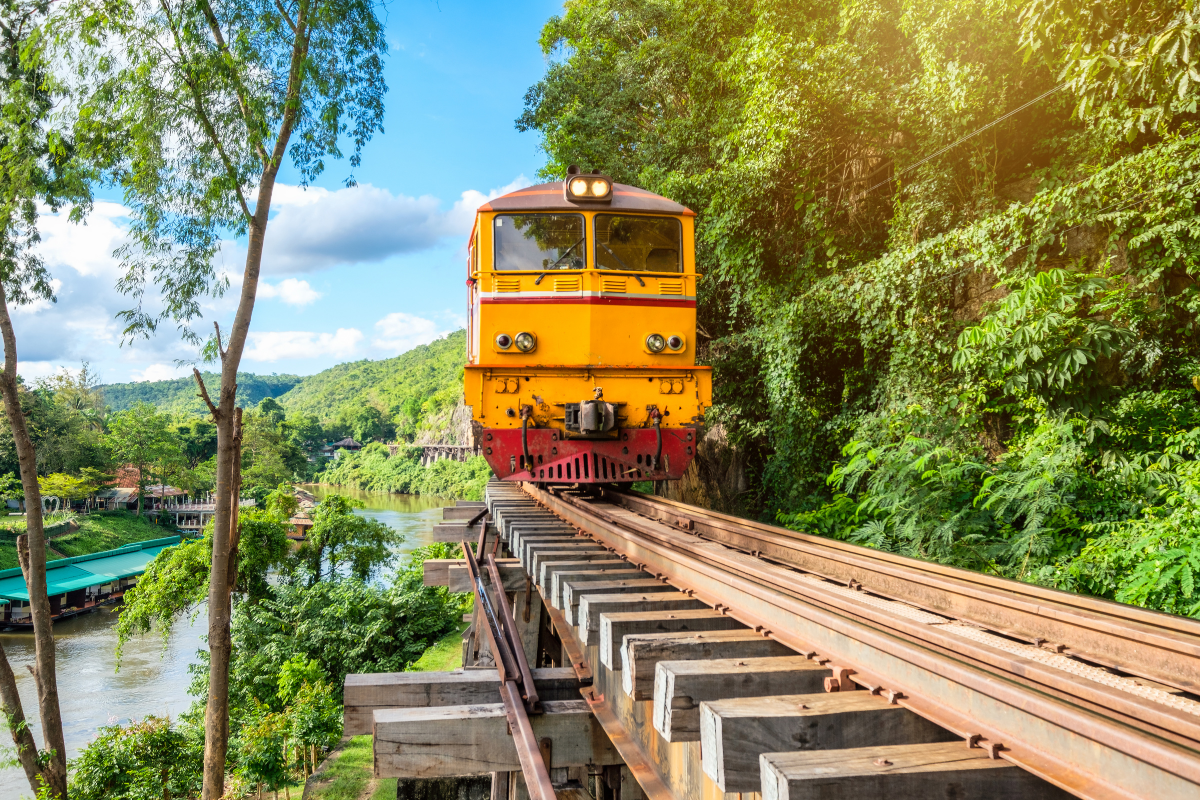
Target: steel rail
(514,696)
(1172,723)
(1160,647)
(1077,748)
(508,627)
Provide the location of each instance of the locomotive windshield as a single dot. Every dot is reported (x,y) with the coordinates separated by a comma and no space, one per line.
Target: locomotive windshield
(539,241)
(638,244)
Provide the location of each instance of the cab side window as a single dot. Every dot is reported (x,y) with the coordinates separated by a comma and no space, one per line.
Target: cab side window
(535,242)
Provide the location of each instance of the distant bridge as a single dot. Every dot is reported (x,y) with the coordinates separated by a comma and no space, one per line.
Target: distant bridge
(436,452)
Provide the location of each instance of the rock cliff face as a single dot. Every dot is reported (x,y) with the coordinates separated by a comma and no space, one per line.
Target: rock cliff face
(452,426)
(716,478)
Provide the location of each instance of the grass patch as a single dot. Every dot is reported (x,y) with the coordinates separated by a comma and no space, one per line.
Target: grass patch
(349,773)
(444,655)
(107,530)
(386,790)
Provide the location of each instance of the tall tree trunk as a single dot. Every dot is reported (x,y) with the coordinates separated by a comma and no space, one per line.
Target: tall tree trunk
(23,741)
(33,567)
(224,561)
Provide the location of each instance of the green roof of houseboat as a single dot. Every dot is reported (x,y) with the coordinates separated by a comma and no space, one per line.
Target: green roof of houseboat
(80,572)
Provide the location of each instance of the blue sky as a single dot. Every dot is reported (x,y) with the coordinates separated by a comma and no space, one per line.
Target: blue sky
(348,273)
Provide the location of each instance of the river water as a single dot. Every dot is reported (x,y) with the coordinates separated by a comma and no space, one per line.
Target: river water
(153,680)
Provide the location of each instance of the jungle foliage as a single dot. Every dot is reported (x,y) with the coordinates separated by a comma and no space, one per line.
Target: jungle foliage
(337,605)
(375,469)
(950,257)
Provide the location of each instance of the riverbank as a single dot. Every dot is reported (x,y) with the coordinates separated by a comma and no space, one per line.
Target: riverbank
(375,469)
(100,530)
(153,679)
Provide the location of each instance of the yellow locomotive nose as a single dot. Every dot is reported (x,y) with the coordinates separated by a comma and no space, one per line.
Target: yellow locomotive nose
(580,366)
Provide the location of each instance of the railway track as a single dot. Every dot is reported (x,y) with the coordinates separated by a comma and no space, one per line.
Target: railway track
(1096,698)
(625,646)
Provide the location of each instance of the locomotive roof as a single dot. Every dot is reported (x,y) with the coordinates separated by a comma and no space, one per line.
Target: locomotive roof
(550,197)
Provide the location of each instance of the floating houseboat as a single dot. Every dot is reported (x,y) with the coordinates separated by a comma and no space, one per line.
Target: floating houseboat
(80,584)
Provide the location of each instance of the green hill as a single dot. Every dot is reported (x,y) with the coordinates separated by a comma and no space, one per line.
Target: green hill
(181,397)
(416,392)
(421,386)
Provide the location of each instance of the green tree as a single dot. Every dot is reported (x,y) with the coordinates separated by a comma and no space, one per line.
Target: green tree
(142,438)
(339,536)
(144,759)
(269,457)
(262,749)
(38,168)
(176,581)
(65,487)
(200,103)
(198,438)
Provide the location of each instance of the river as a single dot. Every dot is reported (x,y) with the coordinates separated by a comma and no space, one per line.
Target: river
(153,681)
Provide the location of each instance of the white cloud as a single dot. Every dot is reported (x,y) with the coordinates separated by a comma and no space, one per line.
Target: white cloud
(276,345)
(85,247)
(159,372)
(291,291)
(35,370)
(316,228)
(287,195)
(399,332)
(462,215)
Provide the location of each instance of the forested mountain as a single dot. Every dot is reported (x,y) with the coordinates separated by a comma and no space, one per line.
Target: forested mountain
(413,391)
(410,396)
(180,396)
(951,258)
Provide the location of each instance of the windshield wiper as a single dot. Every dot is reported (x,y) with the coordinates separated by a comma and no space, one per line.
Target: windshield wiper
(567,252)
(619,261)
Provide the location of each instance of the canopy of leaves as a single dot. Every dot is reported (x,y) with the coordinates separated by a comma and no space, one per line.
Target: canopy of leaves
(191,107)
(950,255)
(143,759)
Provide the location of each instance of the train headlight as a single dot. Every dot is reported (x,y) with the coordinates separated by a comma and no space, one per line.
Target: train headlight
(526,341)
(675,343)
(655,343)
(504,341)
(587,186)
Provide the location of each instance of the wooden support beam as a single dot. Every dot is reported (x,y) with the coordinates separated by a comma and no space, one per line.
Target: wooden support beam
(680,687)
(518,535)
(640,653)
(473,739)
(460,512)
(540,559)
(734,733)
(511,573)
(553,568)
(454,532)
(900,772)
(590,576)
(507,517)
(616,626)
(572,591)
(475,504)
(449,572)
(593,606)
(364,694)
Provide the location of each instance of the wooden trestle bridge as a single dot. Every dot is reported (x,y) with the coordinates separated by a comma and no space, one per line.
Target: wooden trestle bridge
(625,646)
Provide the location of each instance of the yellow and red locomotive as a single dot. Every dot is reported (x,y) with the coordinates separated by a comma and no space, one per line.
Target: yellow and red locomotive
(581,340)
